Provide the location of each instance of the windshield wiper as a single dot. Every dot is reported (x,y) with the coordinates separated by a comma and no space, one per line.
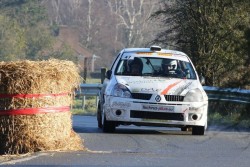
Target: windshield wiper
(149,62)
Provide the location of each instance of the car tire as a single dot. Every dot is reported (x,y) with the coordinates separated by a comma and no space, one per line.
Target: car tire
(108,126)
(184,129)
(99,116)
(198,130)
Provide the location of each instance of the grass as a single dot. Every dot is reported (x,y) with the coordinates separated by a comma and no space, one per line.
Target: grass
(234,120)
(231,114)
(90,102)
(93,80)
(89,109)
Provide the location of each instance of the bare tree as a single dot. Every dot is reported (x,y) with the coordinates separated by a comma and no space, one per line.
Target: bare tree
(89,21)
(106,26)
(53,10)
(132,17)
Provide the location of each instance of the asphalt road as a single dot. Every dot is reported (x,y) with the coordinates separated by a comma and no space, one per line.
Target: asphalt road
(147,147)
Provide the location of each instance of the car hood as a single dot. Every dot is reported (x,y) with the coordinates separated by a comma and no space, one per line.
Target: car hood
(160,85)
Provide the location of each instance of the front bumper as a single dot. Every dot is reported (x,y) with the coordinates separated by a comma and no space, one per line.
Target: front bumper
(141,112)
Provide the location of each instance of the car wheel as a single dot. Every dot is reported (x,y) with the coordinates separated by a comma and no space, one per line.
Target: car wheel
(99,116)
(184,129)
(198,130)
(108,126)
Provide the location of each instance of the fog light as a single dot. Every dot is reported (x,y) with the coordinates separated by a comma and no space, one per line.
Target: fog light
(194,117)
(118,112)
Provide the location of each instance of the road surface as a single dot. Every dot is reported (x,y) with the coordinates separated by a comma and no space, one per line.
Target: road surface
(133,146)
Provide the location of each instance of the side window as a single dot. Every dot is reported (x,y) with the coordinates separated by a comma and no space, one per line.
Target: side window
(121,67)
(189,71)
(115,61)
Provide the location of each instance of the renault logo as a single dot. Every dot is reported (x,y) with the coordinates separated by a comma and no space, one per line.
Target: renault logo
(158,98)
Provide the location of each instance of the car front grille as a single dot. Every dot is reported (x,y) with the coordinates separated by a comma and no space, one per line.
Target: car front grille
(156,115)
(174,98)
(141,96)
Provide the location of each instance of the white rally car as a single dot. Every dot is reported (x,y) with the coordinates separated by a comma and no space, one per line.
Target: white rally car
(163,90)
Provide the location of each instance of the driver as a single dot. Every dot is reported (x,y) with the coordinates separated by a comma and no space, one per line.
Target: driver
(136,66)
(170,68)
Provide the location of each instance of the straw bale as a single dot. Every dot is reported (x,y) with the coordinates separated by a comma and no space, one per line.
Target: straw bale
(37,132)
(16,103)
(40,132)
(31,77)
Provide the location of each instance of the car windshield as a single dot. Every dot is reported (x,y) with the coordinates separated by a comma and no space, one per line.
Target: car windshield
(155,67)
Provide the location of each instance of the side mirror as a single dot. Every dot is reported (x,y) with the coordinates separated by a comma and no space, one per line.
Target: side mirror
(108,74)
(202,79)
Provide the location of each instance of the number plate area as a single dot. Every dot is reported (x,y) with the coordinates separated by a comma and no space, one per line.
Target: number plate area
(157,112)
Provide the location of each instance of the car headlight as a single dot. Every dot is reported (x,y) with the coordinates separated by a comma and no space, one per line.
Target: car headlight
(120,90)
(194,95)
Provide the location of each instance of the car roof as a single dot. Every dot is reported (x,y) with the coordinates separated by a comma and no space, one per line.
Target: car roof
(175,54)
(148,50)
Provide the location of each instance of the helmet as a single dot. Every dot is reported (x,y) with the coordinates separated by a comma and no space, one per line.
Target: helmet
(171,64)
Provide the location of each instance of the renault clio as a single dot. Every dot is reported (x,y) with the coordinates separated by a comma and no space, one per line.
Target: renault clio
(153,87)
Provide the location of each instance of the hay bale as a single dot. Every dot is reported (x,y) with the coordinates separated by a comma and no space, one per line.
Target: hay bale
(31,77)
(34,106)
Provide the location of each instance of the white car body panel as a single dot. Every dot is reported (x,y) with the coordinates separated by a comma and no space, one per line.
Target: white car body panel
(144,85)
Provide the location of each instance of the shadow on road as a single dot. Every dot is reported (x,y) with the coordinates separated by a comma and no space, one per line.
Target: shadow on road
(146,130)
(88,124)
(86,129)
(134,130)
